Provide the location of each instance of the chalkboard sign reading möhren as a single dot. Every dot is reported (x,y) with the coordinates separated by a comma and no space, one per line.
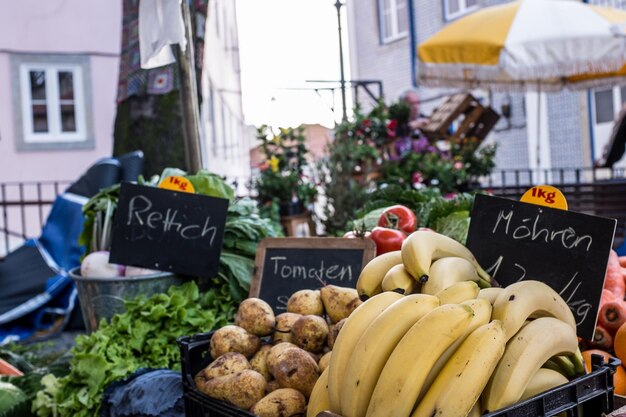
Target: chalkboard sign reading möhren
(286,265)
(567,250)
(168,230)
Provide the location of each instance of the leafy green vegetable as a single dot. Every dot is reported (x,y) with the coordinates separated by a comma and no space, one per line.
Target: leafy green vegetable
(142,337)
(210,184)
(12,400)
(454,225)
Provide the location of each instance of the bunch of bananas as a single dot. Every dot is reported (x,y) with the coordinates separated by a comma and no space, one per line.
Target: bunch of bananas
(429,342)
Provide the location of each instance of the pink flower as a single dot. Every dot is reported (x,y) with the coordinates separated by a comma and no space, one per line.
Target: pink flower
(458,165)
(417,178)
(367,122)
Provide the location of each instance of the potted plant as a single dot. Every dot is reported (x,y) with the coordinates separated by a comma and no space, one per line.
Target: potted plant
(282,181)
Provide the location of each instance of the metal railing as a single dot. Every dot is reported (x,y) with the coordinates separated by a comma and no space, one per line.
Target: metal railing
(553,176)
(24,207)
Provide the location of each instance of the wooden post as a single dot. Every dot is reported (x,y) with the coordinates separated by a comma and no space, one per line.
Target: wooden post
(189,97)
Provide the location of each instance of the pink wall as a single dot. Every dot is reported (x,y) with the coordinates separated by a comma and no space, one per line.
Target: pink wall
(60,26)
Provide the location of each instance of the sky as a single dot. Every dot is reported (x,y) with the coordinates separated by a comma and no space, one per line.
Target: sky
(282,44)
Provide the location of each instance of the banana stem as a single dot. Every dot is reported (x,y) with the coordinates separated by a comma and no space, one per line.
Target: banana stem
(483,283)
(579,365)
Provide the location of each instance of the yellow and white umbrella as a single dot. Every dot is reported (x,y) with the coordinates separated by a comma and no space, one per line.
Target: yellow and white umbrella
(528,44)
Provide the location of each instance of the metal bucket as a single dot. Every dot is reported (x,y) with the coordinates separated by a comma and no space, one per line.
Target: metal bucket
(102,298)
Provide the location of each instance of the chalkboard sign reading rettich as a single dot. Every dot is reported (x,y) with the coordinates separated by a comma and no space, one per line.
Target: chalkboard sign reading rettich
(168,230)
(568,251)
(286,265)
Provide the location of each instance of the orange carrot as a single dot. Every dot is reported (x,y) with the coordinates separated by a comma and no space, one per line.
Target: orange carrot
(602,339)
(614,281)
(7,369)
(612,315)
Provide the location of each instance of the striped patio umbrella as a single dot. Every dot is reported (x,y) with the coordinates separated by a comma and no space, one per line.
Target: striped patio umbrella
(528,45)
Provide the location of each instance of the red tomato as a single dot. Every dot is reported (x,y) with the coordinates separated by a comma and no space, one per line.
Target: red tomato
(398,217)
(387,240)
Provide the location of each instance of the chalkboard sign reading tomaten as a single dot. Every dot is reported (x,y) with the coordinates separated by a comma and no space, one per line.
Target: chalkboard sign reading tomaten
(168,230)
(568,251)
(286,265)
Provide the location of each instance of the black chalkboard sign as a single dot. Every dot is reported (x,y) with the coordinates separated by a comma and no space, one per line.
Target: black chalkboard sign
(286,265)
(568,251)
(168,230)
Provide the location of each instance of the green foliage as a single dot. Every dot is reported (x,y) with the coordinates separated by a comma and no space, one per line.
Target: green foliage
(142,337)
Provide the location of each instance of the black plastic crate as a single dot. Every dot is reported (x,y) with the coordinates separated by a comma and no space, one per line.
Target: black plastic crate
(593,392)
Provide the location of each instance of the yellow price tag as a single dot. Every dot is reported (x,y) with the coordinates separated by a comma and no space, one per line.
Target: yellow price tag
(177,183)
(545,195)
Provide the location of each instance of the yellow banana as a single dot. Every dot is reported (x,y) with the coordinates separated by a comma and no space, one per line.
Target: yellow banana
(461,381)
(350,333)
(422,248)
(543,380)
(476,410)
(525,299)
(525,353)
(490,294)
(371,277)
(407,368)
(459,292)
(374,347)
(482,315)
(398,279)
(447,271)
(319,401)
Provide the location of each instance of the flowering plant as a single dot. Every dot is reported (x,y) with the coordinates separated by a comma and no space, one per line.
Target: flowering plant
(282,178)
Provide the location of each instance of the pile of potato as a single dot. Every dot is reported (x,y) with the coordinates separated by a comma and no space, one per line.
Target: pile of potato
(269,364)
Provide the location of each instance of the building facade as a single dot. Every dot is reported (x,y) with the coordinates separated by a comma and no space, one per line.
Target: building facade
(59,62)
(542,132)
(227,138)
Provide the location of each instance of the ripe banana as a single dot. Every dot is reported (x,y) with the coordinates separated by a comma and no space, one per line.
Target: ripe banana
(407,368)
(398,279)
(461,381)
(525,299)
(482,315)
(371,277)
(319,401)
(350,333)
(476,410)
(490,294)
(374,347)
(447,271)
(525,353)
(543,380)
(459,292)
(423,247)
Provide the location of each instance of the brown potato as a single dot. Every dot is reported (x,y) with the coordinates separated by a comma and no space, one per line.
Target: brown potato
(259,361)
(283,402)
(284,322)
(295,369)
(334,332)
(310,333)
(272,386)
(306,302)
(243,389)
(272,357)
(339,302)
(256,316)
(324,361)
(234,339)
(228,363)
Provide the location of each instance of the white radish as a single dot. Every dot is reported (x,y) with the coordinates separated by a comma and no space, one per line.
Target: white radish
(97,265)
